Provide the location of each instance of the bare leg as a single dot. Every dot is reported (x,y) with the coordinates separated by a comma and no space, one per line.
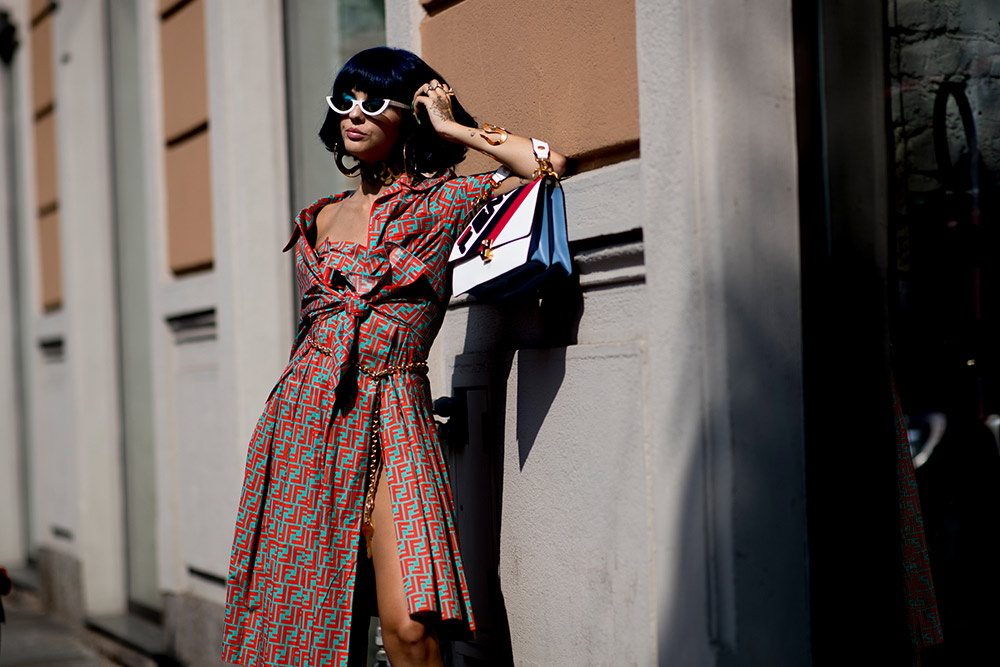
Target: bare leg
(407,642)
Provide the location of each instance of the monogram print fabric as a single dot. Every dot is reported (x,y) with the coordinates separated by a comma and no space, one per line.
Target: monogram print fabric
(291,579)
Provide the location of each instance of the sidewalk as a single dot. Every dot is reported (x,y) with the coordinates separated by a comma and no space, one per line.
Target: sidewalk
(30,638)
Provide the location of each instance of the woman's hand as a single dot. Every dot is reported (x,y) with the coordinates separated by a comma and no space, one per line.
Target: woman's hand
(435,98)
(513,151)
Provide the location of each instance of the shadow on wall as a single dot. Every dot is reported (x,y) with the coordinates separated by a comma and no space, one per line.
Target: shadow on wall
(736,534)
(535,392)
(477,442)
(737,591)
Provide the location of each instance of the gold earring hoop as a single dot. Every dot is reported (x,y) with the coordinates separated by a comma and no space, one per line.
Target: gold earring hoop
(379,173)
(338,156)
(408,166)
(386,173)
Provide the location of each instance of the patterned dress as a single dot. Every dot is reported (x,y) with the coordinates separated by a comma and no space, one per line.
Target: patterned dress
(295,554)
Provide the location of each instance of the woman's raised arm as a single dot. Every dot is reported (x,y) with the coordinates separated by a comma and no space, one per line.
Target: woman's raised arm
(511,150)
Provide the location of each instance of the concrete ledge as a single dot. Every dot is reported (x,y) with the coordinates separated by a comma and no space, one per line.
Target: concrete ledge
(137,639)
(24,579)
(111,648)
(60,579)
(193,628)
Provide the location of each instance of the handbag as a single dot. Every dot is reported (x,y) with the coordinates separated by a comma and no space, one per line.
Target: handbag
(516,242)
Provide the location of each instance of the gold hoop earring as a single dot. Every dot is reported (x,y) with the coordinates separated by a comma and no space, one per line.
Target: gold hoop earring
(381,172)
(338,157)
(408,166)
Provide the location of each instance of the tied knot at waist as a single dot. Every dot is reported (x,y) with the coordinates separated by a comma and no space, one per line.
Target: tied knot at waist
(355,306)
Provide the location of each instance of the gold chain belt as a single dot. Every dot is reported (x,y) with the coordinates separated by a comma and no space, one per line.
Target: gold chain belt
(416,366)
(375,441)
(375,458)
(321,348)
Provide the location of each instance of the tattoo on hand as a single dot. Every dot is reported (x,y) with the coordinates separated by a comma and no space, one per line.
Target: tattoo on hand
(442,109)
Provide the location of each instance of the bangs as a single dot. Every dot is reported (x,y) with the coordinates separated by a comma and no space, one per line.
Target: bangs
(376,73)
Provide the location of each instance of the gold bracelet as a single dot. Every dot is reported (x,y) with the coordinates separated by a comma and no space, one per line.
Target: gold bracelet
(494,129)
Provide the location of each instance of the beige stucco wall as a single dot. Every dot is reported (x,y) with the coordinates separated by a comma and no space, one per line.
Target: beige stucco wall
(46,202)
(182,42)
(47,185)
(186,134)
(564,70)
(41,57)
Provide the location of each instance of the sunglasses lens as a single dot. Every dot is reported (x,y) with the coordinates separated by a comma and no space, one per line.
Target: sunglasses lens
(342,103)
(374,105)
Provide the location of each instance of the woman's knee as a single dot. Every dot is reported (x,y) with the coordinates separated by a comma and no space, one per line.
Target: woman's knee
(408,631)
(410,636)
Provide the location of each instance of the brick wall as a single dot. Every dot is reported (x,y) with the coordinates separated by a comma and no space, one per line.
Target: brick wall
(930,42)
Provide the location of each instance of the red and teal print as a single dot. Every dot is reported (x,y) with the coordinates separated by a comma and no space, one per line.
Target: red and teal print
(292,574)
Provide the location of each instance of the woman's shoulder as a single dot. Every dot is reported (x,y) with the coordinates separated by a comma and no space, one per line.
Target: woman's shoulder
(307,215)
(448,179)
(470,186)
(304,223)
(453,198)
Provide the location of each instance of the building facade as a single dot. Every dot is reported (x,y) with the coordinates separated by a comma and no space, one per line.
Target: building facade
(595,480)
(639,458)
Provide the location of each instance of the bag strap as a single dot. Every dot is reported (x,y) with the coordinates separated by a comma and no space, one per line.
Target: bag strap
(542,153)
(500,175)
(540,149)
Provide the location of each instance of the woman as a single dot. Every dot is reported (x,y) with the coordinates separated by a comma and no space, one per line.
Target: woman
(321,515)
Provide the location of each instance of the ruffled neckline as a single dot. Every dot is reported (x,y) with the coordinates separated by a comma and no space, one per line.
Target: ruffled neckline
(307,216)
(328,244)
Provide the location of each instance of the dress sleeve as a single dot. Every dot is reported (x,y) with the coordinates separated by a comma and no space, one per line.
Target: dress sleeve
(460,195)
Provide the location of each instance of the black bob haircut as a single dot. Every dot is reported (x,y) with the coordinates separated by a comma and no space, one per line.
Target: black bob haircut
(395,74)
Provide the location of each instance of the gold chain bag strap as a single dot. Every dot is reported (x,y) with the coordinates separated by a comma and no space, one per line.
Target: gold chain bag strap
(516,242)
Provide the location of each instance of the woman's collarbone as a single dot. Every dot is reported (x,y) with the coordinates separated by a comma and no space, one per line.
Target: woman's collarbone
(345,220)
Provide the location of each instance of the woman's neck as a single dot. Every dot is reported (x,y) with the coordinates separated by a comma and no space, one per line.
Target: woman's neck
(369,189)
(375,177)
